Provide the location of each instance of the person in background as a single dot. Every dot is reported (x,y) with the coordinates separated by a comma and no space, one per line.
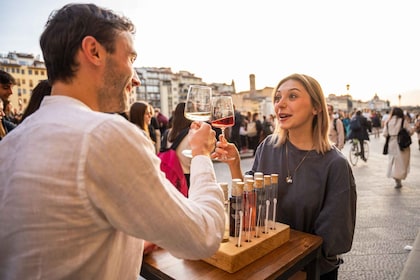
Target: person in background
(385,118)
(155,132)
(316,187)
(254,130)
(42,89)
(141,114)
(398,161)
(84,188)
(162,120)
(179,125)
(336,133)
(8,112)
(346,123)
(235,136)
(376,123)
(5,125)
(417,128)
(360,133)
(267,126)
(7,82)
(244,136)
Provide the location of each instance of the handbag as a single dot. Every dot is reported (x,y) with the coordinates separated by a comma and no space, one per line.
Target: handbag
(385,150)
(404,138)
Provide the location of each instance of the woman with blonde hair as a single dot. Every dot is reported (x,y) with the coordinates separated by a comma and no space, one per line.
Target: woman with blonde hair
(316,188)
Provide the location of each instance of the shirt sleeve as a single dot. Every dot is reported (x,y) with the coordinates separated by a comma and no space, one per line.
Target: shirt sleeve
(337,218)
(128,191)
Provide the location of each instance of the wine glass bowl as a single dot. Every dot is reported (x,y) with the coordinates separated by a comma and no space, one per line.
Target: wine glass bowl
(222,116)
(197,106)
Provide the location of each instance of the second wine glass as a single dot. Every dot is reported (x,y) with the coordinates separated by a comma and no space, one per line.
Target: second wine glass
(222,116)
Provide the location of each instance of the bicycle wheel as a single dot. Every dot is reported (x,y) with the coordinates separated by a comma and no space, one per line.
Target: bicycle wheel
(366,148)
(354,153)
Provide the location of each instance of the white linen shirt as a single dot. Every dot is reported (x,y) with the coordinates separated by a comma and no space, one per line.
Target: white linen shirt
(81,190)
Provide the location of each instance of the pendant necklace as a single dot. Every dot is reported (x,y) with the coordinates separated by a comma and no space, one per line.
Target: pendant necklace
(289,178)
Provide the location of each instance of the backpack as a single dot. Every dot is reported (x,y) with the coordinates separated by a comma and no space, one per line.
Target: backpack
(404,138)
(169,162)
(355,124)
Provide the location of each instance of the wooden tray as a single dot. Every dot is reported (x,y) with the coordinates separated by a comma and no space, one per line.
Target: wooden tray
(232,258)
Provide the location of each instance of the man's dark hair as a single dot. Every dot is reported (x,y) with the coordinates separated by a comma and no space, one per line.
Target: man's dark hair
(6,78)
(65,30)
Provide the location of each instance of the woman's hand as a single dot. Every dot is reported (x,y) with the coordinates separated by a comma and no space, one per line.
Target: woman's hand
(223,147)
(149,247)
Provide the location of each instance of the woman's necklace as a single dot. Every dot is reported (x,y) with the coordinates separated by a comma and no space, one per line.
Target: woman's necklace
(289,178)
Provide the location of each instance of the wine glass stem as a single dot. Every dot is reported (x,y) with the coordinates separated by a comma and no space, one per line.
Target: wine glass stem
(224,157)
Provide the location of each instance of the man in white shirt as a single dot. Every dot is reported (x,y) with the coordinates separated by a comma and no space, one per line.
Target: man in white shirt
(82,189)
(336,134)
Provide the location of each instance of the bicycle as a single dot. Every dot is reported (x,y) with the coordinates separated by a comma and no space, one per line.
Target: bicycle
(354,152)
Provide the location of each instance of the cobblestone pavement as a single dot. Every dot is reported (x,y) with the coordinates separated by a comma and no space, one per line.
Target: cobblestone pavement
(387,220)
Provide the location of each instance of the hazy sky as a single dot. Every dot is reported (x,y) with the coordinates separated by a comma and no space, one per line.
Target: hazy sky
(371,45)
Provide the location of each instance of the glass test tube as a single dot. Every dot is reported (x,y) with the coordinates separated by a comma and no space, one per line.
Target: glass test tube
(266,206)
(248,200)
(258,175)
(274,190)
(260,204)
(235,205)
(234,181)
(225,188)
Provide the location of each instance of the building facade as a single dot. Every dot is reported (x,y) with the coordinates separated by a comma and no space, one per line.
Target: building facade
(164,89)
(28,71)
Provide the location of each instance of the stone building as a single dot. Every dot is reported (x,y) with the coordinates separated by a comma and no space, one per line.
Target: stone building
(28,71)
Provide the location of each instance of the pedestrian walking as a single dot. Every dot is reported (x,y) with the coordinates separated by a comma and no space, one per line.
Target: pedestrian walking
(398,160)
(336,133)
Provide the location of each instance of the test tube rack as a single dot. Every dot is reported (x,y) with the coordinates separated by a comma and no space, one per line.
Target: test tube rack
(232,258)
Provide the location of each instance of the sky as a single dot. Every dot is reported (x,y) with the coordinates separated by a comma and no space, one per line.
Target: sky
(372,45)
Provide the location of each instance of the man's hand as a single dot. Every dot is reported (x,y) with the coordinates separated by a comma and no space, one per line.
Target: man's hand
(202,138)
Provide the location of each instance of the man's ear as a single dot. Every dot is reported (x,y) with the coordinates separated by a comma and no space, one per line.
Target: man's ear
(91,49)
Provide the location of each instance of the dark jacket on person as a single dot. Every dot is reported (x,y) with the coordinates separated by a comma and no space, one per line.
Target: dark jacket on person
(361,134)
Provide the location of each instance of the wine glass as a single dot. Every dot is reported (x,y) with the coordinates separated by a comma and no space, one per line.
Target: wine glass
(197,106)
(222,116)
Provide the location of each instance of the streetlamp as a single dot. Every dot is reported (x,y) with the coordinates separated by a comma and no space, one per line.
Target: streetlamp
(399,100)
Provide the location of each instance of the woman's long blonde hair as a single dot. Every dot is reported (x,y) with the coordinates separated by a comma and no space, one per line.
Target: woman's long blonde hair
(321,121)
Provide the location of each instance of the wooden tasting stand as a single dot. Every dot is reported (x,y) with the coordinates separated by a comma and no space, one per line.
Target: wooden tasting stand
(232,258)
